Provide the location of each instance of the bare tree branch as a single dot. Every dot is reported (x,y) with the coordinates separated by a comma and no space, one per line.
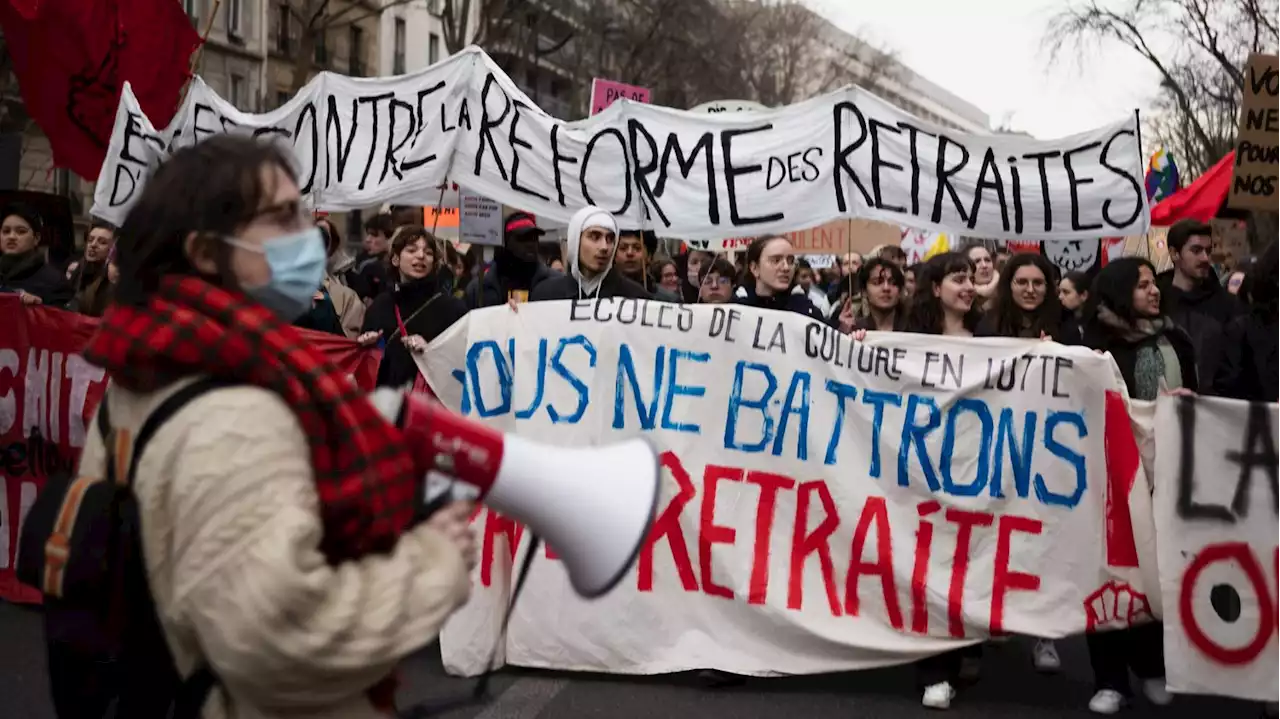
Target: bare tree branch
(1198,48)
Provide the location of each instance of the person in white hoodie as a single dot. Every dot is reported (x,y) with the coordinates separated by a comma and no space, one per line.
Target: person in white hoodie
(593,241)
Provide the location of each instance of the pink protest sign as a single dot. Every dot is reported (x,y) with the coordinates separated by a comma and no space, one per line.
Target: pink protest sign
(604,92)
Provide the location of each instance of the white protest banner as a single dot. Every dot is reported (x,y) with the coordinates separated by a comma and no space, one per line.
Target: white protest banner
(1215,512)
(826,505)
(481,222)
(367,141)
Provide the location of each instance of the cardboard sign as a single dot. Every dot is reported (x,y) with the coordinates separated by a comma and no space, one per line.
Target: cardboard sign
(1254,182)
(604,92)
(1230,242)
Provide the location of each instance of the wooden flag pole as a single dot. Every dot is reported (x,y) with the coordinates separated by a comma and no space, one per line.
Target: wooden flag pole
(196,57)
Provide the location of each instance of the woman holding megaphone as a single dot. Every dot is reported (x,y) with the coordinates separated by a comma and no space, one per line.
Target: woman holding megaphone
(277,508)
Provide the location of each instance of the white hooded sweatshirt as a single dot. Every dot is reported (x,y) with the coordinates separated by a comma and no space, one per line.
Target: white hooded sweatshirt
(588,216)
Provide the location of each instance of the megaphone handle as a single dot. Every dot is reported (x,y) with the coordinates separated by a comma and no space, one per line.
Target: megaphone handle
(481,691)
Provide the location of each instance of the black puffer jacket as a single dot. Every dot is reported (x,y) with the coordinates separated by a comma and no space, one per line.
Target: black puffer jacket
(31,273)
(786,302)
(1203,313)
(565,287)
(504,276)
(398,368)
(1248,368)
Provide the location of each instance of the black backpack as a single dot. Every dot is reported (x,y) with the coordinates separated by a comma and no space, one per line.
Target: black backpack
(81,546)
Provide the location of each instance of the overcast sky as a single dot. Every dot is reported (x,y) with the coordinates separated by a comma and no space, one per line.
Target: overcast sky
(991,53)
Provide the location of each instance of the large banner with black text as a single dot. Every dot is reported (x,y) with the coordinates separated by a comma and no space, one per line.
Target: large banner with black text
(1216,516)
(827,504)
(365,141)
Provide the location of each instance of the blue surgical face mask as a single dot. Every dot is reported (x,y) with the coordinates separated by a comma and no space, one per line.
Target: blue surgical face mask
(297,263)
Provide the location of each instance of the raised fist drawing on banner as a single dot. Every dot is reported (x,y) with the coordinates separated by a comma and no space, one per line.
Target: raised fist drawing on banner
(1115,605)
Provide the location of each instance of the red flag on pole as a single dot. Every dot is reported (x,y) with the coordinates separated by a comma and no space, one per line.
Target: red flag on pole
(72,57)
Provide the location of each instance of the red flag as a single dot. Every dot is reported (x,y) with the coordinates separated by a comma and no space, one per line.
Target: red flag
(1200,200)
(72,58)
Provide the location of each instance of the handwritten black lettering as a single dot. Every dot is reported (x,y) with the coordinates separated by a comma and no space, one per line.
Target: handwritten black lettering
(731,174)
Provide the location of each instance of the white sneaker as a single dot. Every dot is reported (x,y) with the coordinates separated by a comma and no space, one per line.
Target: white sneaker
(1045,656)
(1156,691)
(1107,701)
(938,696)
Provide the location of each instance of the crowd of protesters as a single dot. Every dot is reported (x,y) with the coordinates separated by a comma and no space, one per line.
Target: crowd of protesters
(1181,331)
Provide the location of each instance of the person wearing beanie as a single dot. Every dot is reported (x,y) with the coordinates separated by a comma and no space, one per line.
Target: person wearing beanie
(516,270)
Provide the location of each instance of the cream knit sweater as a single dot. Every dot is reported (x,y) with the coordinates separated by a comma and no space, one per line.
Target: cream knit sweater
(231,536)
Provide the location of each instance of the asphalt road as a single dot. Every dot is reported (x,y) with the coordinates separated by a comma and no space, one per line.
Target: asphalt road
(1009,687)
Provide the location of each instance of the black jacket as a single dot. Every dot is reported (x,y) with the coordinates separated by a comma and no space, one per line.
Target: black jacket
(369,276)
(1204,314)
(786,302)
(565,287)
(1248,368)
(398,368)
(503,277)
(1098,337)
(32,274)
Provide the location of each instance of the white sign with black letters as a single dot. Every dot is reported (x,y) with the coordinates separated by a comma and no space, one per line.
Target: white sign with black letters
(362,142)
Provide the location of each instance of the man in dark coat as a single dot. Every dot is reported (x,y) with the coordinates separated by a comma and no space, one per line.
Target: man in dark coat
(516,268)
(593,240)
(1192,297)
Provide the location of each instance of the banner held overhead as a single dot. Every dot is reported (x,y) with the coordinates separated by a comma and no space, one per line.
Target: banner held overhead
(846,154)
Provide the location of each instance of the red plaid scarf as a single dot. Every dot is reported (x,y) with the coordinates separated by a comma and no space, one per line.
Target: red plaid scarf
(364,477)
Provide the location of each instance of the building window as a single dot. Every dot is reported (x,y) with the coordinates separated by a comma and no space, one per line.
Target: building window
(355,44)
(322,48)
(282,97)
(397,61)
(433,48)
(192,7)
(234,10)
(237,91)
(281,30)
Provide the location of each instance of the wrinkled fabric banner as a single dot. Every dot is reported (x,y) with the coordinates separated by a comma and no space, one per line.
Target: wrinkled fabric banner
(826,504)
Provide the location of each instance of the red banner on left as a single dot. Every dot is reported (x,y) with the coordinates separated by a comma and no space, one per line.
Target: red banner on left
(48,394)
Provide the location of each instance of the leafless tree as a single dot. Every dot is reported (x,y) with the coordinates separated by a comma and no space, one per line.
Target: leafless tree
(315,20)
(1198,47)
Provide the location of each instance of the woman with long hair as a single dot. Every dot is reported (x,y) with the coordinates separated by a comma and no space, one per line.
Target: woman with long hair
(91,275)
(278,515)
(944,302)
(883,304)
(1123,317)
(1154,355)
(771,262)
(1024,305)
(414,310)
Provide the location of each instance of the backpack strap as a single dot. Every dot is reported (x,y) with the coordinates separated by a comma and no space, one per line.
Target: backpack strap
(193,690)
